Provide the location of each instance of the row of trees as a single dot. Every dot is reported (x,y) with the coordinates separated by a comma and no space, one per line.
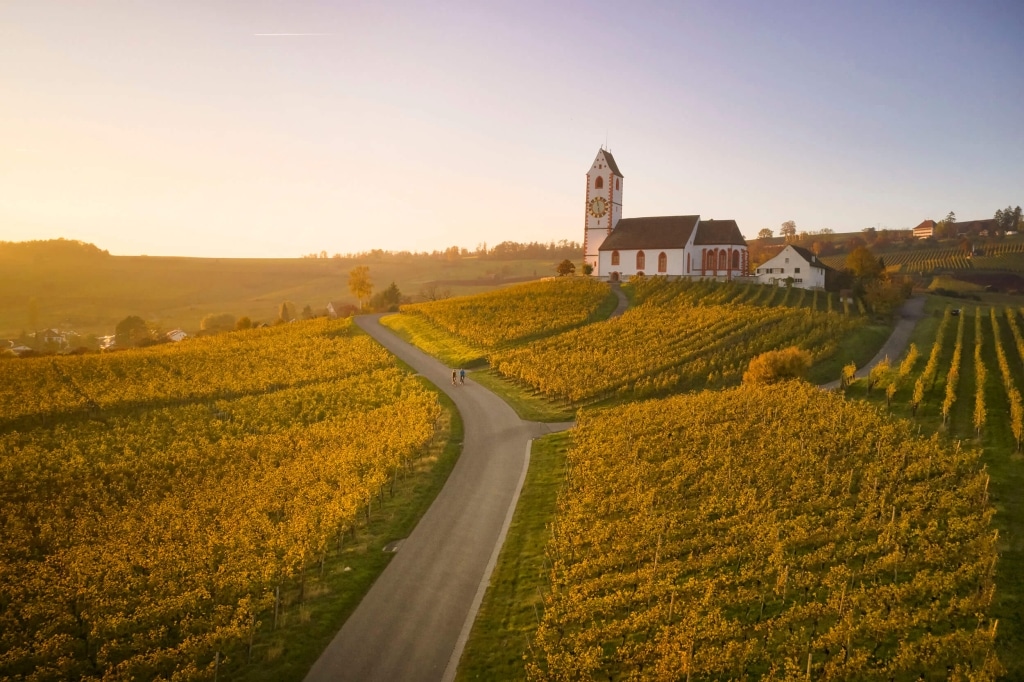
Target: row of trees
(507,250)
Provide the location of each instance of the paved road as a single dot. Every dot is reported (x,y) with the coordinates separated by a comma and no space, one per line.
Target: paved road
(910,313)
(412,623)
(623,303)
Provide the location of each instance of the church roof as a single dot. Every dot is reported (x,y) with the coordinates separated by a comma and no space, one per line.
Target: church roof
(662,232)
(611,163)
(719,232)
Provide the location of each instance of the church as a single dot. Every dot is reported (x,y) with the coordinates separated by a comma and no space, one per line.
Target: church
(617,248)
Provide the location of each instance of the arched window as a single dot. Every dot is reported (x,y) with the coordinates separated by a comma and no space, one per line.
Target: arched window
(723,260)
(640,260)
(687,263)
(599,183)
(615,257)
(662,262)
(616,183)
(736,260)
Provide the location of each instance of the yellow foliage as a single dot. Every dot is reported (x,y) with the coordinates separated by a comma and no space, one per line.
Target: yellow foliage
(778,365)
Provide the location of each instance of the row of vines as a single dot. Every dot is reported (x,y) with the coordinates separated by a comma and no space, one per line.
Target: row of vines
(153,504)
(682,335)
(774,532)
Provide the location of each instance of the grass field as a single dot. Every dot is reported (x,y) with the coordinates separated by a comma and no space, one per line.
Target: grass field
(91,295)
(511,608)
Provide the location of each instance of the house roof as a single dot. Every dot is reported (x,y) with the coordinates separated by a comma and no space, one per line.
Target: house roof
(927,224)
(809,256)
(719,232)
(662,232)
(968,225)
(611,163)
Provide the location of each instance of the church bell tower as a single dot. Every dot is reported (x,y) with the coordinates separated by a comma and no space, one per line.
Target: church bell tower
(603,207)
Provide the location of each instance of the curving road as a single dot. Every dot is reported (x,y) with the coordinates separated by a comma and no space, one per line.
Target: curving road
(413,622)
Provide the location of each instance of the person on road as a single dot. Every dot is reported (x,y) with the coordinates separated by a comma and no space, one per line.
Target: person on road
(453,378)
(462,377)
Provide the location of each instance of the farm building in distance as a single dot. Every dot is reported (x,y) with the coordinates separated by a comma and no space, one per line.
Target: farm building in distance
(806,270)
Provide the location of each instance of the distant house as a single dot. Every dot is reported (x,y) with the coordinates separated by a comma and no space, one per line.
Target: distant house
(51,337)
(806,269)
(106,341)
(176,335)
(336,309)
(22,349)
(924,230)
(979,227)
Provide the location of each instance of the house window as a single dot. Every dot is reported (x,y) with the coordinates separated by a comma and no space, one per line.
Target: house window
(735,260)
(796,269)
(662,262)
(599,183)
(616,183)
(640,260)
(615,257)
(723,260)
(787,260)
(798,280)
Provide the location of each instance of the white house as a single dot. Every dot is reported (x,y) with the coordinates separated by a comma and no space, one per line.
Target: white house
(675,246)
(176,335)
(806,269)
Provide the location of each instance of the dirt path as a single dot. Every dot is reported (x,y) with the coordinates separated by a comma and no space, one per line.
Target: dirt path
(623,301)
(413,622)
(910,313)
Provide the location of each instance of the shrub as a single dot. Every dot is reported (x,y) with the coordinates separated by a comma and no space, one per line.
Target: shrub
(777,365)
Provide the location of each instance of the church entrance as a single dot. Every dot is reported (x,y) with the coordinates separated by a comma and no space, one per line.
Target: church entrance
(614,277)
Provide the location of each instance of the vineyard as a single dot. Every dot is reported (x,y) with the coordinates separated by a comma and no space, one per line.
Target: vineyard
(682,335)
(516,313)
(1002,255)
(766,532)
(154,504)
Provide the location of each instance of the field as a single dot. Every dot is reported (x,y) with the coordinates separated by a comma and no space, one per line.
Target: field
(163,505)
(763,532)
(1002,255)
(682,335)
(90,292)
(971,393)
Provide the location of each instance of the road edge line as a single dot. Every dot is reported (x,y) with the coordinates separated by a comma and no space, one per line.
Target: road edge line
(485,580)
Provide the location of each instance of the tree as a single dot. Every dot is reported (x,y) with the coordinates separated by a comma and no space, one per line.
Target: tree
(588,269)
(130,331)
(431,291)
(244,322)
(359,284)
(778,365)
(387,300)
(765,233)
(287,312)
(1007,219)
(863,264)
(214,323)
(884,296)
(788,229)
(565,268)
(33,313)
(307,312)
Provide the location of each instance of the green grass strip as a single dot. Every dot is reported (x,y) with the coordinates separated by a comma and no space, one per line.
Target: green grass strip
(513,604)
(527,403)
(431,339)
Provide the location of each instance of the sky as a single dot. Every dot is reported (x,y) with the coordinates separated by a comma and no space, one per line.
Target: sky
(257,128)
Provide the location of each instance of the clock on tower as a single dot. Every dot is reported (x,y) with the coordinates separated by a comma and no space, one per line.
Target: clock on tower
(603,206)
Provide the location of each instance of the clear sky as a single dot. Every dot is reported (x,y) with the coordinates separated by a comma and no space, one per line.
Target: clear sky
(181,127)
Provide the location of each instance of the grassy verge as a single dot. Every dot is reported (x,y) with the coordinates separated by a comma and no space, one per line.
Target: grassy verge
(308,622)
(527,404)
(449,349)
(857,347)
(511,608)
